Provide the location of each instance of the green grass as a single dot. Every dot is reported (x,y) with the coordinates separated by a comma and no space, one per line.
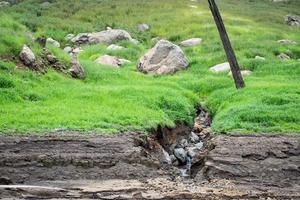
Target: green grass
(112,100)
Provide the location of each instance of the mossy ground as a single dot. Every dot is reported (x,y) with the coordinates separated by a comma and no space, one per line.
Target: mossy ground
(112,100)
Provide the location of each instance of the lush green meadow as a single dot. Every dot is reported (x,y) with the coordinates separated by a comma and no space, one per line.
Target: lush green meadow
(112,100)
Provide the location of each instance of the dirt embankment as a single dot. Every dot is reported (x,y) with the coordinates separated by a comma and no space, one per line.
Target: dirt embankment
(116,167)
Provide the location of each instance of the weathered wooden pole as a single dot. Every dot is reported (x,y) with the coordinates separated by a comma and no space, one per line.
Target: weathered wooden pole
(235,68)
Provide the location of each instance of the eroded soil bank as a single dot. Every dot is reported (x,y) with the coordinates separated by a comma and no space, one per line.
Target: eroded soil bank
(78,166)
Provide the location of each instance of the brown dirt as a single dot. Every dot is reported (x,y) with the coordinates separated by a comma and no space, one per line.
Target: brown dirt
(74,166)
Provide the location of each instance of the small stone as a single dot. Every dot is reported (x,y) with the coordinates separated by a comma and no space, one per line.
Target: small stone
(260,58)
(180,154)
(143,27)
(114,47)
(199,145)
(77,51)
(45,4)
(194,138)
(183,143)
(109,60)
(191,42)
(223,67)
(287,42)
(68,49)
(283,56)
(173,158)
(197,128)
(243,72)
(53,42)
(51,58)
(292,20)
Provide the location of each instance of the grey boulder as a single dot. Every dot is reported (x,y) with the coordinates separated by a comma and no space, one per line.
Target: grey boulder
(164,58)
(27,56)
(104,37)
(180,154)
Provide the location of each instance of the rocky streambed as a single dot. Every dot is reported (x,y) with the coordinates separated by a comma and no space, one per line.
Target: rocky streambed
(180,163)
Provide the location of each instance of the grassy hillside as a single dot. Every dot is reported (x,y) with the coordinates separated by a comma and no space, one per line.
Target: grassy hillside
(112,100)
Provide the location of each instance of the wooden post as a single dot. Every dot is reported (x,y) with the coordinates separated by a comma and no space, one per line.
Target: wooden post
(235,68)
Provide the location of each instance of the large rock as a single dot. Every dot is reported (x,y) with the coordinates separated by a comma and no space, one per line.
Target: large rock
(223,67)
(27,56)
(104,37)
(164,58)
(76,70)
(191,42)
(292,20)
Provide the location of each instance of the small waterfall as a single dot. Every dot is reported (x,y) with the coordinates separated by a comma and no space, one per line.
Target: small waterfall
(186,171)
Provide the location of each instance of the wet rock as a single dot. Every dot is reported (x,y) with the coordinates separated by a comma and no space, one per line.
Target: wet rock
(191,42)
(114,47)
(109,60)
(104,37)
(183,143)
(27,56)
(223,67)
(243,72)
(283,56)
(164,58)
(286,42)
(143,27)
(194,138)
(260,58)
(53,42)
(173,158)
(76,70)
(292,20)
(180,154)
(69,37)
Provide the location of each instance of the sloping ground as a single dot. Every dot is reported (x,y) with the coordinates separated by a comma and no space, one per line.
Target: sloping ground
(115,167)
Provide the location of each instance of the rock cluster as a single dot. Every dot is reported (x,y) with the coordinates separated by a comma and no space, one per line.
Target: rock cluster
(164,58)
(185,147)
(4,4)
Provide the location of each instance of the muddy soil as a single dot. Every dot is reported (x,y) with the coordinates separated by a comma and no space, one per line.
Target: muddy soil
(76,166)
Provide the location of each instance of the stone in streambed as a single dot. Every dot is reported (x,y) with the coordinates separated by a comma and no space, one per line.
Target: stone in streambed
(180,154)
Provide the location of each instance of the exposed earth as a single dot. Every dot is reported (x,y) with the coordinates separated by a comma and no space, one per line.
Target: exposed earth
(71,165)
